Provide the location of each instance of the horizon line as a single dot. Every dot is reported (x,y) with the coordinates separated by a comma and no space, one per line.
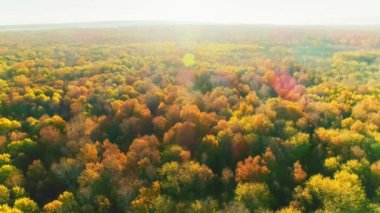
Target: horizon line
(193,22)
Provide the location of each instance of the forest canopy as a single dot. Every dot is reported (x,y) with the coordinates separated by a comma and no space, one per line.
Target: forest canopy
(190,119)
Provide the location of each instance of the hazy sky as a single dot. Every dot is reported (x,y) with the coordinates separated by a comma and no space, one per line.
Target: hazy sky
(216,11)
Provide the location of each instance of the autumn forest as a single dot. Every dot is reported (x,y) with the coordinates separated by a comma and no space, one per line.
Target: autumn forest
(190,119)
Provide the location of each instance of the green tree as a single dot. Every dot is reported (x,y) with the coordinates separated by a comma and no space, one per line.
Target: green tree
(254,195)
(187,180)
(343,193)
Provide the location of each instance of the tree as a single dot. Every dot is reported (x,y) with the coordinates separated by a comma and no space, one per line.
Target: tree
(50,134)
(114,160)
(5,158)
(54,206)
(143,155)
(208,151)
(183,134)
(299,145)
(90,179)
(285,85)
(235,206)
(375,168)
(341,194)
(251,169)
(89,152)
(332,164)
(6,125)
(254,195)
(4,86)
(18,192)
(160,124)
(65,203)
(10,175)
(67,171)
(337,137)
(102,203)
(289,210)
(258,124)
(26,205)
(7,209)
(175,153)
(133,118)
(153,99)
(299,174)
(78,131)
(187,180)
(145,200)
(4,194)
(20,147)
(69,204)
(240,147)
(204,206)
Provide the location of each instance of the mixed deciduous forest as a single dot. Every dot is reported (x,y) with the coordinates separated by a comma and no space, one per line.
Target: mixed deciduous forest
(190,119)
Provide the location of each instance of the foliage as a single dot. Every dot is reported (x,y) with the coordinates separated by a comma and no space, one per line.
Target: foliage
(26,205)
(254,195)
(190,119)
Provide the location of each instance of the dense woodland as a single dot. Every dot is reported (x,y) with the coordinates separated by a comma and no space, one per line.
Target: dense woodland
(190,119)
